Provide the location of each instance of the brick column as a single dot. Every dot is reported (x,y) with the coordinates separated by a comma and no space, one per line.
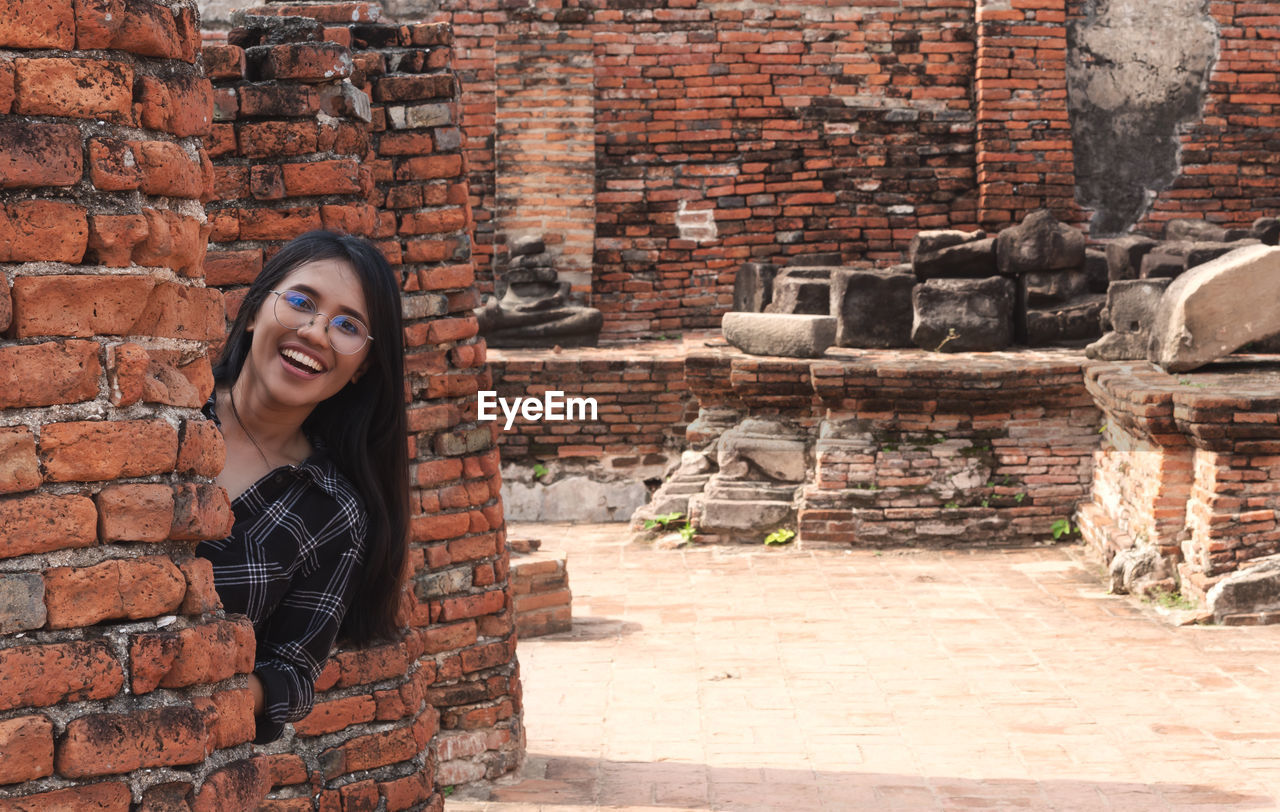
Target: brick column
(121,682)
(1024,151)
(364,137)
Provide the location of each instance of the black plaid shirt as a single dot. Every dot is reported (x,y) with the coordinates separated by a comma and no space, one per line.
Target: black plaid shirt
(290,565)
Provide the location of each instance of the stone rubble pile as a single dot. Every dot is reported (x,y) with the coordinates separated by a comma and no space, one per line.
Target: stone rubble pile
(1035,284)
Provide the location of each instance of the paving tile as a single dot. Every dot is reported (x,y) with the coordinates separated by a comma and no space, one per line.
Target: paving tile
(734,678)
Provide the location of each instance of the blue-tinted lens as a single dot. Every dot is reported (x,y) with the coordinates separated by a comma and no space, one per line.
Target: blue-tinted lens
(298,301)
(347,326)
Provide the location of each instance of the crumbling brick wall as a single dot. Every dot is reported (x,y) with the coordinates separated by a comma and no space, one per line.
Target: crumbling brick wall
(120,678)
(327,117)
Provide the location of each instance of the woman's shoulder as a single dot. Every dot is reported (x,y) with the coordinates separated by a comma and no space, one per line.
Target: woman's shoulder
(328,479)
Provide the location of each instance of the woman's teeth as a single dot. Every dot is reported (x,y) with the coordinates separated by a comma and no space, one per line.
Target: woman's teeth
(302,360)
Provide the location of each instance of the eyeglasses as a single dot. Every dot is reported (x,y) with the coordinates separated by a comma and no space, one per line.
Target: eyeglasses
(296,310)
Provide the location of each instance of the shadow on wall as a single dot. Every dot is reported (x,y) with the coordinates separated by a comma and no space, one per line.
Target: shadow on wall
(1137,71)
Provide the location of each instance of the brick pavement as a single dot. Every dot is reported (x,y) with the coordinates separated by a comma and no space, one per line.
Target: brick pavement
(746,678)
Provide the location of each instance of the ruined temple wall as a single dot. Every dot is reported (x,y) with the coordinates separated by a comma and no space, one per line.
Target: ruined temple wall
(121,680)
(1174,111)
(354,124)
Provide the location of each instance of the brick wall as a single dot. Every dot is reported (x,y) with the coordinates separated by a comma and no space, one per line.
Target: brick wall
(1228,174)
(355,126)
(120,678)
(1203,449)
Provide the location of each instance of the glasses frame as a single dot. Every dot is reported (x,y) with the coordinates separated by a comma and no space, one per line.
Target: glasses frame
(328,320)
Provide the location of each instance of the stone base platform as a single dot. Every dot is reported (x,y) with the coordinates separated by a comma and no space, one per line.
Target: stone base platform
(884,447)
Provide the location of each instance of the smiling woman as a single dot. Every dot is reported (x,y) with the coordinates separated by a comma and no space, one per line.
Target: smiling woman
(310,400)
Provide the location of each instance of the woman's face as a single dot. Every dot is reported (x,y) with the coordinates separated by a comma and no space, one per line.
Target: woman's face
(299,367)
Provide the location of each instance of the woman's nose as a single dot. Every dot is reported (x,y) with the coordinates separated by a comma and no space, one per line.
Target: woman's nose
(317,330)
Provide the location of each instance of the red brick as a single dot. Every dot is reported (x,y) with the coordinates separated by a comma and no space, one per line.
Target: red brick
(369,752)
(232,267)
(181,105)
(172,382)
(78,88)
(272,139)
(127,588)
(41,675)
(39,154)
(322,178)
(201,449)
(112,743)
(449,637)
(41,523)
(174,796)
(135,512)
(332,716)
(95,450)
(78,305)
(228,716)
(174,241)
(277,100)
(26,749)
(201,595)
(139,26)
(201,512)
(181,311)
(413,87)
(404,793)
(49,373)
(240,785)
(406,143)
(302,61)
(113,238)
(6,85)
(127,372)
(223,61)
(430,167)
(36,24)
(361,219)
(363,666)
(485,603)
(106,797)
(278,224)
(168,171)
(42,230)
(19,468)
(200,655)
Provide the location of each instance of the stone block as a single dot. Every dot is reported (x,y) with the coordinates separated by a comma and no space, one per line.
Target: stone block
(1071,323)
(1124,256)
(1201,231)
(1044,288)
(1095,270)
(963,315)
(1246,592)
(1266,230)
(753,287)
(1216,308)
(782,334)
(872,308)
(804,291)
(952,254)
(1039,243)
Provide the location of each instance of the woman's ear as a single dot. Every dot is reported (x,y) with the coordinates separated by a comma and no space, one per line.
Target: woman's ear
(360,370)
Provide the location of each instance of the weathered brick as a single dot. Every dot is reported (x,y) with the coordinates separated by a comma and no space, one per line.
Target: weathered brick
(240,785)
(168,170)
(135,512)
(202,594)
(181,105)
(42,230)
(19,468)
(201,449)
(277,100)
(174,241)
(79,88)
(200,512)
(322,178)
(40,523)
(173,310)
(232,267)
(21,602)
(301,61)
(271,139)
(103,797)
(113,238)
(41,675)
(369,752)
(26,749)
(78,305)
(111,743)
(332,716)
(139,26)
(125,588)
(95,450)
(37,24)
(199,655)
(223,61)
(35,153)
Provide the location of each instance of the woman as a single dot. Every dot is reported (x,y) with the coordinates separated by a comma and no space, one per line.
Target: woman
(310,400)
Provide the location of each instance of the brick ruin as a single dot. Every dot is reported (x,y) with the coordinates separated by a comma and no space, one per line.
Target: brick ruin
(145,178)
(654,147)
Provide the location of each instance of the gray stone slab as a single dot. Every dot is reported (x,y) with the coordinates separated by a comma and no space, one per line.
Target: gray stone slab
(782,334)
(963,315)
(872,308)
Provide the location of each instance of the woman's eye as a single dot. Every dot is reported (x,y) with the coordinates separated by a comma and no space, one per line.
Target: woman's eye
(299,302)
(346,325)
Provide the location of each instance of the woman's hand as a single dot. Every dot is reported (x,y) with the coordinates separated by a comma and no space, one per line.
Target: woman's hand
(259,698)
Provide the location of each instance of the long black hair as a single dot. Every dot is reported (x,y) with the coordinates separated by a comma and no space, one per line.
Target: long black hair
(363,425)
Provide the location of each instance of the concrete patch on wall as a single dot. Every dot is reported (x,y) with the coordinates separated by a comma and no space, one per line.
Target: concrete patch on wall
(1137,71)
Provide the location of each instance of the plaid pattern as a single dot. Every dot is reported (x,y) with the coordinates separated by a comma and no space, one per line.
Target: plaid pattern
(290,565)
